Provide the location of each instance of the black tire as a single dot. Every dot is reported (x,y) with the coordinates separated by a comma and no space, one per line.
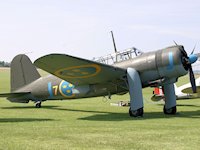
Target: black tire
(136,113)
(170,111)
(38,105)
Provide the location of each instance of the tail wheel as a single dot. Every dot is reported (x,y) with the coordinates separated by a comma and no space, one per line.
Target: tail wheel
(38,105)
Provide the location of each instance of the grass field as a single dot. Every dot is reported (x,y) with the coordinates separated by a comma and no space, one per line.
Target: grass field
(94,124)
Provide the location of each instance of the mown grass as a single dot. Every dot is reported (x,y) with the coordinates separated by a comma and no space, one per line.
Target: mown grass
(93,124)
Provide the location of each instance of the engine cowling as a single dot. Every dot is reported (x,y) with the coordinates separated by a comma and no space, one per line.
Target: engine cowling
(162,67)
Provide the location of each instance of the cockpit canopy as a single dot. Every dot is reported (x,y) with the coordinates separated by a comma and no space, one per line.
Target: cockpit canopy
(119,56)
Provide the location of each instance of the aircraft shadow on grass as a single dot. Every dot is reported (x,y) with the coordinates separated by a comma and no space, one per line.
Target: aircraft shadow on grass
(148,115)
(28,107)
(9,120)
(187,105)
(53,108)
(110,116)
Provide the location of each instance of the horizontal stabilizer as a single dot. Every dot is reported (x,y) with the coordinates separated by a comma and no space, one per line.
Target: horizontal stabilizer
(14,95)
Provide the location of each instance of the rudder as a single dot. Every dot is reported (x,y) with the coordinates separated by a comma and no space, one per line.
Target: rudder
(23,72)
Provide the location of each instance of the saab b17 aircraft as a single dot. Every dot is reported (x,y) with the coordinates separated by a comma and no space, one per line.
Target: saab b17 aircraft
(182,92)
(73,78)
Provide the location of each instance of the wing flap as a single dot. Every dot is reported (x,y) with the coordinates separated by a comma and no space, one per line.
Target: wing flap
(79,71)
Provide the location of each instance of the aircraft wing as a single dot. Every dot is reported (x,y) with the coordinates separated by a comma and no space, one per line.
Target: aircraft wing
(189,90)
(79,71)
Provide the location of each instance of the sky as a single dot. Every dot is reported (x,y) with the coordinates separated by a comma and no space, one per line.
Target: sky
(82,27)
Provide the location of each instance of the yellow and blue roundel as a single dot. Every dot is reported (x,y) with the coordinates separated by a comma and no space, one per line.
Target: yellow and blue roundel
(65,89)
(83,71)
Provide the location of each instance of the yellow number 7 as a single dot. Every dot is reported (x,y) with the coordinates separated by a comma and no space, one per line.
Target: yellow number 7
(55,90)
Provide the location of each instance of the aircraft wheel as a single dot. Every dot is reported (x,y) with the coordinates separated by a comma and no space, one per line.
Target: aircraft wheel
(136,113)
(38,105)
(170,111)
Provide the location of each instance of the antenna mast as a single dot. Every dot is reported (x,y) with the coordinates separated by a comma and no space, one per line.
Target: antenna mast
(113,42)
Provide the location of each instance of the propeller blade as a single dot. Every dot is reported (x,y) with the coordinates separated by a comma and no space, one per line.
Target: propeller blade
(193,49)
(175,43)
(192,79)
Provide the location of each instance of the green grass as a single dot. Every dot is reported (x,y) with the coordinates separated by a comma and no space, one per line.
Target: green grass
(94,124)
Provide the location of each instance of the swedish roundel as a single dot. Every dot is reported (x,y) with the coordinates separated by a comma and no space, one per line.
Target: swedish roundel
(65,89)
(83,71)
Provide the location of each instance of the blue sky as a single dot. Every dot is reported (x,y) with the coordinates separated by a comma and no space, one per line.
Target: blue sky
(82,27)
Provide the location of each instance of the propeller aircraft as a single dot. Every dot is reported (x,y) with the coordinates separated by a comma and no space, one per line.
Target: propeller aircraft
(73,77)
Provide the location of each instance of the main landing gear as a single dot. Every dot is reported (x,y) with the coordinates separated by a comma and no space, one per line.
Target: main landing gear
(170,100)
(38,104)
(136,98)
(135,91)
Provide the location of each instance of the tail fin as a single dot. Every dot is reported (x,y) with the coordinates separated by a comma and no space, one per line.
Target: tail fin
(23,72)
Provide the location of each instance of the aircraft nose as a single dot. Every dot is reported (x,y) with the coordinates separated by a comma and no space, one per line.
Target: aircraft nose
(193,58)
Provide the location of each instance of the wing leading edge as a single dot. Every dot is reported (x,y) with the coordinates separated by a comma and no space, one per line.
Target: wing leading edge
(79,71)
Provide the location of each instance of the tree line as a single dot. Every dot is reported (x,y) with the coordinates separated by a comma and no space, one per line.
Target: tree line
(4,64)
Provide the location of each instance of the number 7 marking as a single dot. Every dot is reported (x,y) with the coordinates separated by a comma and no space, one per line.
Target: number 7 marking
(55,90)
